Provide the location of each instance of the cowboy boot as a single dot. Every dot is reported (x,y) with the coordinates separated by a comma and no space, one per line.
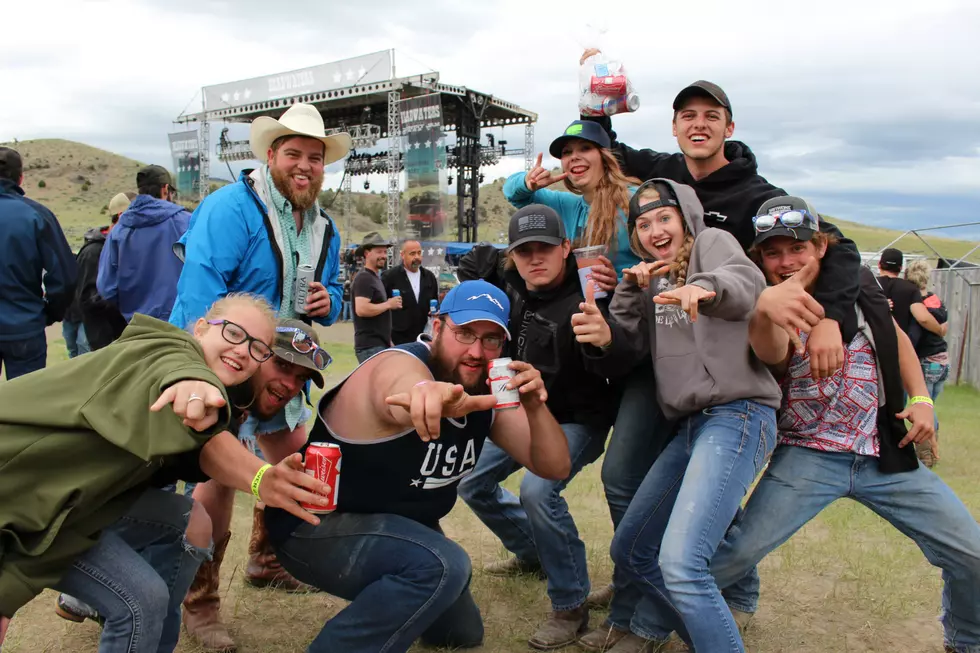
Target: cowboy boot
(263,569)
(202,604)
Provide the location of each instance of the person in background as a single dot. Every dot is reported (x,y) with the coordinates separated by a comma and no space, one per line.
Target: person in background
(372,306)
(101,320)
(345,312)
(930,348)
(138,270)
(418,286)
(904,297)
(537,527)
(37,272)
(252,236)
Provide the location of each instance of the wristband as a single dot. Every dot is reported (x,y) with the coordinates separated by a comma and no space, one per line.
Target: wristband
(921,400)
(258,479)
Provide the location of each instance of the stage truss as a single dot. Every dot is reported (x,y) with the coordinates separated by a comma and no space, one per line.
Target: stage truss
(369,112)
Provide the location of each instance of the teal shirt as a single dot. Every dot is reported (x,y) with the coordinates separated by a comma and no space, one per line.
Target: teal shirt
(296,251)
(574,212)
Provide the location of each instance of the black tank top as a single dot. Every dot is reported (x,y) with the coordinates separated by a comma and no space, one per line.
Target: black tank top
(400,474)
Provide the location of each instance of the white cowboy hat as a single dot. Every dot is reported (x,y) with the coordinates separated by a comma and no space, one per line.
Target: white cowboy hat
(299,120)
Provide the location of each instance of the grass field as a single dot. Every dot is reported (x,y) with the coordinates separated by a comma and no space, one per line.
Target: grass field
(848,582)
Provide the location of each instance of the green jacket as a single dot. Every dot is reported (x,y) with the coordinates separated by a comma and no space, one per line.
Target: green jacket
(78,444)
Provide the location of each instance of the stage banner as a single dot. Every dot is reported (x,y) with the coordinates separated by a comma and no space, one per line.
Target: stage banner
(365,69)
(184,149)
(424,151)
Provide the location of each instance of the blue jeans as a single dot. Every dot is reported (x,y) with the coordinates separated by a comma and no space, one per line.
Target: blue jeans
(405,581)
(75,340)
(538,526)
(21,357)
(641,432)
(801,482)
(137,575)
(705,472)
(364,354)
(936,375)
(345,311)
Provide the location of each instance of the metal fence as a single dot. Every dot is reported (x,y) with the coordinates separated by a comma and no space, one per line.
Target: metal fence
(959,288)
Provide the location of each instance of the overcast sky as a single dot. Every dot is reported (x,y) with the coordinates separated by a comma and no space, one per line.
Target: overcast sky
(870,109)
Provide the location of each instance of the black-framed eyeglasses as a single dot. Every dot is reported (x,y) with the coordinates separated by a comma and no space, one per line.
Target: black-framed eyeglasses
(467,337)
(303,343)
(236,335)
(789,219)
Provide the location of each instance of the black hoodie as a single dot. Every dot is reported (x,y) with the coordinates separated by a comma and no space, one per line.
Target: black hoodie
(731,196)
(541,328)
(103,321)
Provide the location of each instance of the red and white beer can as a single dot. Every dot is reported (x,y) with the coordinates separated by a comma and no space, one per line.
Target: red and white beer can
(500,376)
(323,463)
(614,85)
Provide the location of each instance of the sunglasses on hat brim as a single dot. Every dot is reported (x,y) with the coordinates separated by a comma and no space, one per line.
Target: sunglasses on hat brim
(303,343)
(790,219)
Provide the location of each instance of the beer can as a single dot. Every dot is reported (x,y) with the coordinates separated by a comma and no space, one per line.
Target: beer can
(396,293)
(500,376)
(623,104)
(301,287)
(608,85)
(433,306)
(323,463)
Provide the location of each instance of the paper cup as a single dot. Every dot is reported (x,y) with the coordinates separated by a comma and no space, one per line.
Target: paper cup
(585,258)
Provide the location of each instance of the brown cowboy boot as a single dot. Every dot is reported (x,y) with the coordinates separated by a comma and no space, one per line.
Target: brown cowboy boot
(202,603)
(263,569)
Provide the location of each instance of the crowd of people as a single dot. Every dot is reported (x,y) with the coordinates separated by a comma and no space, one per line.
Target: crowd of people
(727,331)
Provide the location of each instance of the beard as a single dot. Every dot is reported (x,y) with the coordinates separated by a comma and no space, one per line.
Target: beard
(447,373)
(300,200)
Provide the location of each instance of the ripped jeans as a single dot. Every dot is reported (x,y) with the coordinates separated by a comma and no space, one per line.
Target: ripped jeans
(138,573)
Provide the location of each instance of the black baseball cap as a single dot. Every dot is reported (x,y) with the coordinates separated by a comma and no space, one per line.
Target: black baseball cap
(891,260)
(153,176)
(536,223)
(283,347)
(702,88)
(583,129)
(779,206)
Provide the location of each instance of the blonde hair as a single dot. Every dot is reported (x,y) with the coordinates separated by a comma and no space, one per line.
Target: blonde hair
(919,273)
(610,197)
(678,269)
(221,307)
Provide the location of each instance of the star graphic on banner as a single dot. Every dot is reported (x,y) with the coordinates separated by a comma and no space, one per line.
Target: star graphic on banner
(439,251)
(337,77)
(225,97)
(361,72)
(236,96)
(428,143)
(247,93)
(431,251)
(350,74)
(416,482)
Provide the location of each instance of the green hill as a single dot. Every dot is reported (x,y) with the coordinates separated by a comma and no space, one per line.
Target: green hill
(76,181)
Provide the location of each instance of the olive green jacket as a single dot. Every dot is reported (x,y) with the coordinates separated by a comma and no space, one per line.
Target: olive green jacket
(78,444)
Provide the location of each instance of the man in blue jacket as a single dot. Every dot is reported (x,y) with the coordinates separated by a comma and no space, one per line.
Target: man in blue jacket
(138,270)
(37,272)
(251,236)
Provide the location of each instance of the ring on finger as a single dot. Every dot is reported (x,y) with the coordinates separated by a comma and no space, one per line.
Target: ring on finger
(195,397)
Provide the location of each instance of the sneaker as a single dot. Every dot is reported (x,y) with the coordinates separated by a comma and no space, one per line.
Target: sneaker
(600,599)
(561,629)
(601,639)
(636,644)
(514,567)
(70,608)
(742,619)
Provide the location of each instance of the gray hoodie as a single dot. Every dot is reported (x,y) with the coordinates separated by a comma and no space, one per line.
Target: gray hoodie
(701,364)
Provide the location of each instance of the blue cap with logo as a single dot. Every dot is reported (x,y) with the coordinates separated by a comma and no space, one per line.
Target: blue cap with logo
(585,130)
(476,301)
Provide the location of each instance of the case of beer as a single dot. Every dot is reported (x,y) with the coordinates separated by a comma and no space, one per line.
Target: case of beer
(605,88)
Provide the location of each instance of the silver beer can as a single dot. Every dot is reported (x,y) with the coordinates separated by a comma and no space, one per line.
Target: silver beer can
(301,287)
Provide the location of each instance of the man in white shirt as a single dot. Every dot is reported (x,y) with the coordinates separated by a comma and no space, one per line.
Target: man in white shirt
(418,286)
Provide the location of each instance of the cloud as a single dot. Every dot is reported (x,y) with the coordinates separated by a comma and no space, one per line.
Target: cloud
(861,104)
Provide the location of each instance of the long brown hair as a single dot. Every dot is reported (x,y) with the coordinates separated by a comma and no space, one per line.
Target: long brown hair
(611,196)
(678,269)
